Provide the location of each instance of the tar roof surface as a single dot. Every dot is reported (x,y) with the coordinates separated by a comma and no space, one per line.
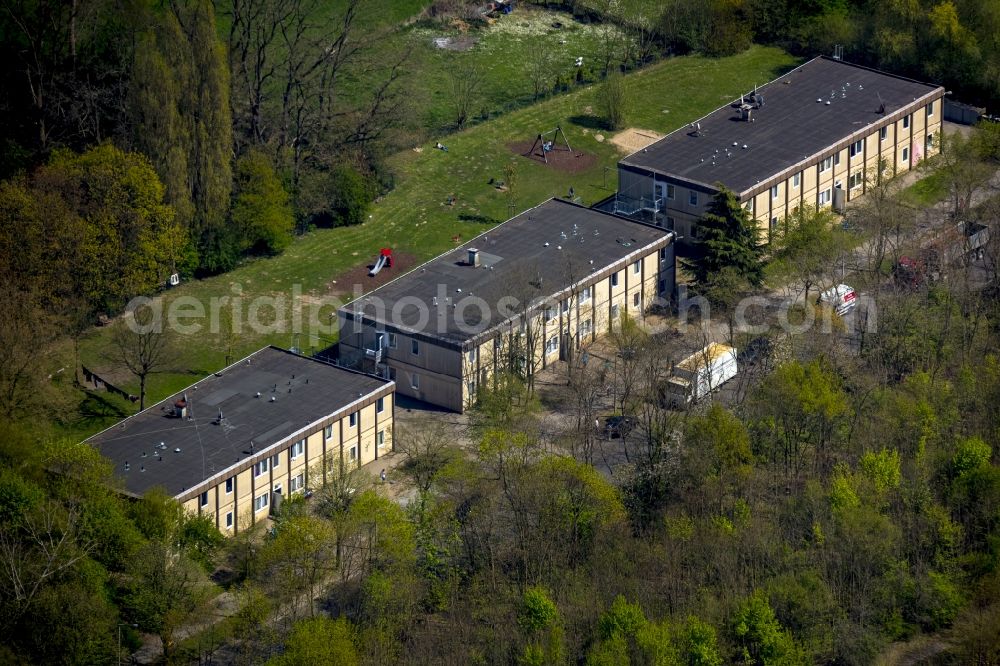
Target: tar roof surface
(536,254)
(789,127)
(209,447)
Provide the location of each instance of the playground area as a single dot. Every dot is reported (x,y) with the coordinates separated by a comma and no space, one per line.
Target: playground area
(566,161)
(361,275)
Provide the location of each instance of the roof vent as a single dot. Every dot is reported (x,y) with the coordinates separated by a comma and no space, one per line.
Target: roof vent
(828,103)
(473,256)
(273,398)
(177,450)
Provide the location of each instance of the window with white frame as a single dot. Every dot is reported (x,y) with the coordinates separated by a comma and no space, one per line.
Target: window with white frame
(260,502)
(906,155)
(414,381)
(637,267)
(565,305)
(204,498)
(352,420)
(774,224)
(277,488)
(328,432)
(380,405)
(836,158)
(857,179)
(637,299)
(393,341)
(380,435)
(352,454)
(825,164)
(824,197)
(550,313)
(414,347)
(906,122)
(883,134)
(930,109)
(471,354)
(774,191)
(298,448)
(693,198)
(671,192)
(614,279)
(261,467)
(586,327)
(229,486)
(857,148)
(297,483)
(229,519)
(614,312)
(497,344)
(797,179)
(583,296)
(552,344)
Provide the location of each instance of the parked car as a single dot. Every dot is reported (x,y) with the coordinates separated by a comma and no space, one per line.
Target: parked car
(841,298)
(619,426)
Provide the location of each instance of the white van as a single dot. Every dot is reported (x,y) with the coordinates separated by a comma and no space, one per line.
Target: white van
(841,298)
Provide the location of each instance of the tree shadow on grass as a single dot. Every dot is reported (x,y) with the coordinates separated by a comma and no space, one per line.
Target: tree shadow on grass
(477,219)
(98,409)
(591,122)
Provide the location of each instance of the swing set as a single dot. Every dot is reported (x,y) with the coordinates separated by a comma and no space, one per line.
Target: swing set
(546,142)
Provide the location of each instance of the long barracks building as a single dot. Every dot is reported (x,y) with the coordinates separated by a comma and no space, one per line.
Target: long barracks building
(815,136)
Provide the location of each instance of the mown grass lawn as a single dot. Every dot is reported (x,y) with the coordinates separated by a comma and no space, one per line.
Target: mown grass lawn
(415,217)
(929,190)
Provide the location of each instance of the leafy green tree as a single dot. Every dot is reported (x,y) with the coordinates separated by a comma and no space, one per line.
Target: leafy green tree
(298,558)
(760,637)
(808,250)
(613,96)
(261,210)
(698,643)
(728,241)
(319,640)
(539,618)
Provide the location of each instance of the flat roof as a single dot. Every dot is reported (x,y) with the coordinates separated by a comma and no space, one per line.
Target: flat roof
(538,254)
(790,126)
(306,391)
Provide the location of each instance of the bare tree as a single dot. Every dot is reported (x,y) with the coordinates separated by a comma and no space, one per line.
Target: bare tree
(466,83)
(143,348)
(426,448)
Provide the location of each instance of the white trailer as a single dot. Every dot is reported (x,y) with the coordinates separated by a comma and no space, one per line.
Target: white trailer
(700,374)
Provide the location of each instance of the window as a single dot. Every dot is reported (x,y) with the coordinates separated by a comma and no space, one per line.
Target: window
(414,347)
(797,179)
(261,467)
(774,191)
(586,327)
(825,164)
(275,460)
(906,122)
(352,455)
(836,159)
(204,498)
(636,299)
(277,488)
(328,432)
(392,373)
(749,206)
(824,197)
(637,267)
(614,312)
(930,109)
(229,519)
(229,486)
(663,253)
(414,381)
(565,305)
(883,134)
(352,420)
(930,142)
(297,483)
(550,313)
(496,344)
(379,405)
(774,224)
(392,341)
(856,179)
(298,448)
(552,345)
(670,222)
(380,435)
(260,502)
(670,191)
(614,279)
(471,355)
(693,198)
(857,147)
(906,155)
(583,296)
